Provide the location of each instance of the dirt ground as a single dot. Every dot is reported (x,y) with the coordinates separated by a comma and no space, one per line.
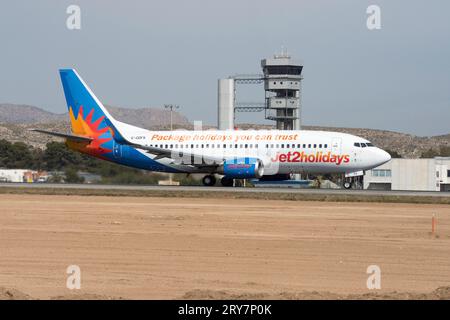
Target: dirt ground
(166,248)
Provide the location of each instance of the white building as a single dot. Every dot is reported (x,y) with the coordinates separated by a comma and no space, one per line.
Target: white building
(410,174)
(13,175)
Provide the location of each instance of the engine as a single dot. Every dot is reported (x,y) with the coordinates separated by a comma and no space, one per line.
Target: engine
(242,168)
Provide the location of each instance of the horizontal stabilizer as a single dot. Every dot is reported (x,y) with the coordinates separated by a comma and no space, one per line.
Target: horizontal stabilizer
(71,137)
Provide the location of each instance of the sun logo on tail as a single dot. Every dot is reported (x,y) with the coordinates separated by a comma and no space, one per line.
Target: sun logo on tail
(89,128)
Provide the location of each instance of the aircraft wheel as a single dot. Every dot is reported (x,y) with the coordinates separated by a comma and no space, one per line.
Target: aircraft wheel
(209,180)
(347,184)
(226,182)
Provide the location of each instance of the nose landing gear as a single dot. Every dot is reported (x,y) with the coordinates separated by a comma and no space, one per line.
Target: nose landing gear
(348,184)
(355,182)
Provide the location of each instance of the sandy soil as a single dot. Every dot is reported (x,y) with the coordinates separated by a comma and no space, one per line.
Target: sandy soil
(164,248)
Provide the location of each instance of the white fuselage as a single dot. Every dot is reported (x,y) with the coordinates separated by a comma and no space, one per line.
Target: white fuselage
(300,151)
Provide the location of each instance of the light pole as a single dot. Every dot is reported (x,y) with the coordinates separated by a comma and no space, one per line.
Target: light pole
(171,107)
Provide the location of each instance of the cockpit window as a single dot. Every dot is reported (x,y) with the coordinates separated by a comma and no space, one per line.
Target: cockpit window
(363,144)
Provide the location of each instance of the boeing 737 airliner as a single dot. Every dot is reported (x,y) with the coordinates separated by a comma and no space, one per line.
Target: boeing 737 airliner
(246,154)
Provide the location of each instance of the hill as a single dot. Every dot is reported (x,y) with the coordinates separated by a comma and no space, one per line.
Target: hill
(407,145)
(25,114)
(142,117)
(16,120)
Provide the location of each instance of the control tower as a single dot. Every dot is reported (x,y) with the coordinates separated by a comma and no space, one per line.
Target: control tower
(282,84)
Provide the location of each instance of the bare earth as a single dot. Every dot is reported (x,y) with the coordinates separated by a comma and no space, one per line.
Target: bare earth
(167,248)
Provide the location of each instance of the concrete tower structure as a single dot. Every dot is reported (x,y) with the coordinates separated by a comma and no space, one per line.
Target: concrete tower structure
(282,85)
(226,104)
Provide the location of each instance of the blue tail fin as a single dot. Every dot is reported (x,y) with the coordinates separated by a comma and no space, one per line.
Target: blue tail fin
(84,107)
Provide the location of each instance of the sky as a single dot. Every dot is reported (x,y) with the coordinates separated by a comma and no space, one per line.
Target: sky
(149,53)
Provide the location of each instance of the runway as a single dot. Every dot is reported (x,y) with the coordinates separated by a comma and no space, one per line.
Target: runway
(202,189)
(166,248)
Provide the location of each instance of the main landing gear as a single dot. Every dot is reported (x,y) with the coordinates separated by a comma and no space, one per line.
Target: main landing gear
(227,182)
(209,180)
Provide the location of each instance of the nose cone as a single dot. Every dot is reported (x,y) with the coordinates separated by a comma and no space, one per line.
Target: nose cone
(382,157)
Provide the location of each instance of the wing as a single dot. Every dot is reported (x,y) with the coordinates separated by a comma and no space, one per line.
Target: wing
(72,137)
(181,156)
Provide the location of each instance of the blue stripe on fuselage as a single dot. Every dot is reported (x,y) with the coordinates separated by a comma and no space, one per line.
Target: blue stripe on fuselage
(131,157)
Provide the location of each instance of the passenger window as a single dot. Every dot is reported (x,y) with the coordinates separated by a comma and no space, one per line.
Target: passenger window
(320,146)
(282,146)
(356,144)
(363,145)
(325,146)
(315,145)
(309,145)
(224,146)
(246,146)
(304,146)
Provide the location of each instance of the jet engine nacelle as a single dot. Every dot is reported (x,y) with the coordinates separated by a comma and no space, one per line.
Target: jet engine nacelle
(242,168)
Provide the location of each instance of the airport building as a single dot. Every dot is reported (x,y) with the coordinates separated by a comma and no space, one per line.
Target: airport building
(410,174)
(22,175)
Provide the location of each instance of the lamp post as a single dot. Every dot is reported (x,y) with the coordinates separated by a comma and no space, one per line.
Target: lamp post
(171,107)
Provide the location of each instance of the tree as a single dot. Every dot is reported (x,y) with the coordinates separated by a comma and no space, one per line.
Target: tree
(72,176)
(443,151)
(15,155)
(57,156)
(4,152)
(394,154)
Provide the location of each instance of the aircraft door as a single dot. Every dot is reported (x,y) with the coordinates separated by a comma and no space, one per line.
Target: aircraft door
(336,145)
(117,149)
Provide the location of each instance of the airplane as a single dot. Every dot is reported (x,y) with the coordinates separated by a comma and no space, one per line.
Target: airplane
(231,154)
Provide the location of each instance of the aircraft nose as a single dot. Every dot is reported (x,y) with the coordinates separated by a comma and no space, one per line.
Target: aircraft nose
(382,156)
